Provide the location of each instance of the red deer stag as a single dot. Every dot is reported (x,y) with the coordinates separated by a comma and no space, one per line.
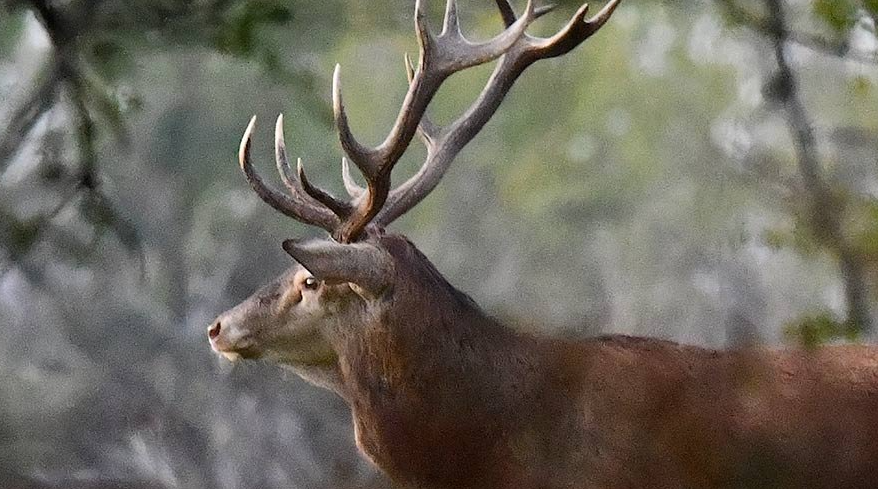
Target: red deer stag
(444,396)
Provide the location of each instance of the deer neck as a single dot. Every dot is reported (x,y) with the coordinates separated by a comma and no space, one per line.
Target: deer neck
(431,344)
(413,354)
(430,387)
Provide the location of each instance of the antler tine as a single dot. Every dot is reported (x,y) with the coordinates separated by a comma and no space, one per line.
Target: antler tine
(463,54)
(543,10)
(372,161)
(506,12)
(577,30)
(509,16)
(528,50)
(297,183)
(338,207)
(280,156)
(294,206)
(427,130)
(287,175)
(425,37)
(351,186)
(451,25)
(362,156)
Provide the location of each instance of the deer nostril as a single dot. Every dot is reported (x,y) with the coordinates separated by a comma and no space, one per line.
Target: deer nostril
(214,331)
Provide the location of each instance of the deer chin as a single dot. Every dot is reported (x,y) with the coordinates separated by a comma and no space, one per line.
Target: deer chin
(240,350)
(231,356)
(239,354)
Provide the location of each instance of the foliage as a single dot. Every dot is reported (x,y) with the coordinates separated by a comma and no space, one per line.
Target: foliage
(646,185)
(840,15)
(814,330)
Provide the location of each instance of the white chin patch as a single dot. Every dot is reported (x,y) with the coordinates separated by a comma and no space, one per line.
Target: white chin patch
(231,356)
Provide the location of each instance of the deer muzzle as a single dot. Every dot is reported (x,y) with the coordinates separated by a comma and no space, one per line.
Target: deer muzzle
(228,341)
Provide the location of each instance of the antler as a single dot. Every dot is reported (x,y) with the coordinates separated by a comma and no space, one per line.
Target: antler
(440,57)
(443,144)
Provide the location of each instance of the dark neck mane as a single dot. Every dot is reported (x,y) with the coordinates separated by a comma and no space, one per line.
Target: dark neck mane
(433,370)
(421,269)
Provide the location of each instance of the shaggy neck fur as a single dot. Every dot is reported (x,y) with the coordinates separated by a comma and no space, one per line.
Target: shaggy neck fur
(431,379)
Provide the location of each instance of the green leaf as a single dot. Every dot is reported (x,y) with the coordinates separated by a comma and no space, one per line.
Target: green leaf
(10,29)
(797,237)
(777,239)
(110,59)
(817,329)
(274,14)
(860,85)
(239,37)
(865,236)
(838,14)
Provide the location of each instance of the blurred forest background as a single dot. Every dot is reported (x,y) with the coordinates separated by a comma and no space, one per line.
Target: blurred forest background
(704,171)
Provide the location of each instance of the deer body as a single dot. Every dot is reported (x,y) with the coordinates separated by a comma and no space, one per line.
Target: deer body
(444,396)
(454,399)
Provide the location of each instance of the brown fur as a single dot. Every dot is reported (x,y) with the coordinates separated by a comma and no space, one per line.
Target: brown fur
(443,396)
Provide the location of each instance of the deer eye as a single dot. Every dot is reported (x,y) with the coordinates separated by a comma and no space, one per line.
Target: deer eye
(310,283)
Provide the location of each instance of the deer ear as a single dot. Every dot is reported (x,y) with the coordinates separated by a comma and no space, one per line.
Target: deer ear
(363,264)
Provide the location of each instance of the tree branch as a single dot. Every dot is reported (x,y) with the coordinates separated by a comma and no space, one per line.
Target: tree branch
(808,40)
(825,209)
(22,121)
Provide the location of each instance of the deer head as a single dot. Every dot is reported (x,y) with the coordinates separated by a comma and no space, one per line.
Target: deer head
(362,277)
